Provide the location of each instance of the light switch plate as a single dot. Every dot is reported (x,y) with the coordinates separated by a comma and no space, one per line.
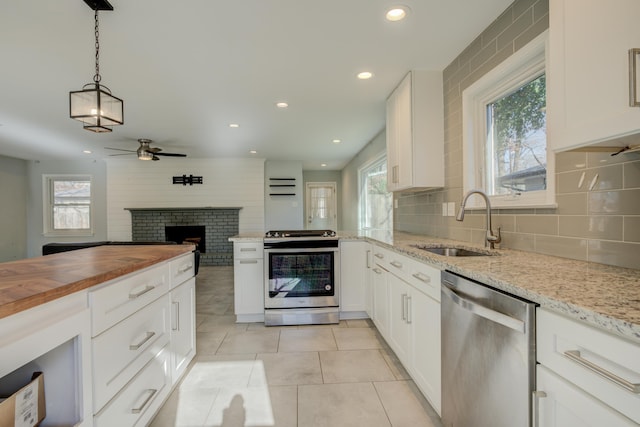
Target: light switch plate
(451,209)
(444,209)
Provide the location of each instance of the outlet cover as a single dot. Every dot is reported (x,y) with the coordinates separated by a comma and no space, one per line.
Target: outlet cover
(451,209)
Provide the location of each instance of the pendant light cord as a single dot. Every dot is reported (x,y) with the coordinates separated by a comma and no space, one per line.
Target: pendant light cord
(97,77)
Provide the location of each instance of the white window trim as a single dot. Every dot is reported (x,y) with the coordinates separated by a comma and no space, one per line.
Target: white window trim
(47,207)
(525,64)
(361,169)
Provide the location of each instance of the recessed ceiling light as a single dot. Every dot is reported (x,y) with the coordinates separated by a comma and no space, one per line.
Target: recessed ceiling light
(397,13)
(86,151)
(234,125)
(365,75)
(282,104)
(323,165)
(336,141)
(253,152)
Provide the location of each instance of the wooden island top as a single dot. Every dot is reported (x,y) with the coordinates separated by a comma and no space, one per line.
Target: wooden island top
(33,281)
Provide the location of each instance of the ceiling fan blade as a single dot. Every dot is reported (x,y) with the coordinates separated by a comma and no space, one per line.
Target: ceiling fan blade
(155,159)
(119,149)
(170,154)
(122,154)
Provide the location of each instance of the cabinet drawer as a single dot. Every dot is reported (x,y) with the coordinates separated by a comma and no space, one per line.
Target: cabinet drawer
(383,257)
(141,398)
(248,250)
(119,299)
(424,278)
(591,359)
(181,269)
(120,352)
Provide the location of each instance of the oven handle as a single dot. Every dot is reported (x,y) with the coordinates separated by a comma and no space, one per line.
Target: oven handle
(299,250)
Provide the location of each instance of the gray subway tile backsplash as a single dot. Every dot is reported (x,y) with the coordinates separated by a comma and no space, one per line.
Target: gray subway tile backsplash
(601,224)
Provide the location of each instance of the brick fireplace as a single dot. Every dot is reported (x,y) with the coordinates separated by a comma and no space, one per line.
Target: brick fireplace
(150,224)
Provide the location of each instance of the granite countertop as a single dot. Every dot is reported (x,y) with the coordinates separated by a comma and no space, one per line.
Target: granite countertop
(33,281)
(604,296)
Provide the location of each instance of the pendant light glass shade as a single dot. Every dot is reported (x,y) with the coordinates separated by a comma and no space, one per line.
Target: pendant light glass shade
(96,108)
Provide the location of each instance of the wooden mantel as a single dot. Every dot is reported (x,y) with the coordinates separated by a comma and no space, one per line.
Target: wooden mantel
(33,281)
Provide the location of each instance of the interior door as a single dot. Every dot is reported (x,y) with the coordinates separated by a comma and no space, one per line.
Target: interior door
(321,206)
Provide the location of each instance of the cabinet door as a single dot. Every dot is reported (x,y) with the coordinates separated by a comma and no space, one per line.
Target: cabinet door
(588,71)
(424,318)
(381,300)
(398,317)
(249,286)
(562,404)
(183,331)
(399,137)
(353,265)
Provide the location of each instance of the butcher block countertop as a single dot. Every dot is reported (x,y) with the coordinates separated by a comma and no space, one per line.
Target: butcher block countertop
(33,281)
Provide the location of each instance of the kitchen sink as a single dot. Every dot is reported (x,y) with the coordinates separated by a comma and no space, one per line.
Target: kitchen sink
(453,251)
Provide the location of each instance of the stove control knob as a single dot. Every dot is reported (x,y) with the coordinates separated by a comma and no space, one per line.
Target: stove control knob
(276,234)
(268,234)
(333,234)
(325,234)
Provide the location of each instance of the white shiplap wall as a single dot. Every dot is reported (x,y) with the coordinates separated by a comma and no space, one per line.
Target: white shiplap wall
(133,183)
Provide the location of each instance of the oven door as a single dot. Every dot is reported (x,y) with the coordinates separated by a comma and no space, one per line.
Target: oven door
(301,277)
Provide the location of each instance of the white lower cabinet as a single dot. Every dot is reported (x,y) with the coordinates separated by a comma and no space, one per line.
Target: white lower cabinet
(353,270)
(138,401)
(559,403)
(248,281)
(183,328)
(586,376)
(407,314)
(380,300)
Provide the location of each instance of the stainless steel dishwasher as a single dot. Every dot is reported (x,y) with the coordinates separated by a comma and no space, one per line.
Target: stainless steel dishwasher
(488,355)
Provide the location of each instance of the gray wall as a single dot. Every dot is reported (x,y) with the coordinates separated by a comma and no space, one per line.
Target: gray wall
(599,225)
(324,176)
(283,212)
(13,209)
(35,170)
(372,150)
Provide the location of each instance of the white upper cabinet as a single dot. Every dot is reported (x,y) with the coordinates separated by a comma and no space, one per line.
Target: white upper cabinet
(415,132)
(588,72)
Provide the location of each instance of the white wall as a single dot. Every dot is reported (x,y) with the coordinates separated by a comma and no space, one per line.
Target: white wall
(284,212)
(13,209)
(132,183)
(372,150)
(35,171)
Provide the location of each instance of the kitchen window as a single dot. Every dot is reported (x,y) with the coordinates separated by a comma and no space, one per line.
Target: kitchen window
(375,202)
(67,205)
(504,139)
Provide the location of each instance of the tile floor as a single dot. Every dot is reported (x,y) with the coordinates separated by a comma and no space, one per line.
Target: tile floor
(305,376)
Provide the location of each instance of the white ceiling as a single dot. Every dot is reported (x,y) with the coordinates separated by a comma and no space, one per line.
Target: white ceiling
(187,69)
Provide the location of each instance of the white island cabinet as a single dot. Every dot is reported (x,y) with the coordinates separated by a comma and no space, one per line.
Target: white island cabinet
(588,71)
(586,377)
(248,280)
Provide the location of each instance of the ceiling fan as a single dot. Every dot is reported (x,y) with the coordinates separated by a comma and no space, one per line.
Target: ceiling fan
(145,151)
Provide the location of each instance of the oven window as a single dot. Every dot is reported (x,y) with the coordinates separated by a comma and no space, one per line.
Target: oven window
(301,275)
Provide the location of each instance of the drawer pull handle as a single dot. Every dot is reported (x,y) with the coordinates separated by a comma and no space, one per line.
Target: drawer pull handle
(422,277)
(627,385)
(377,271)
(396,264)
(248,261)
(146,338)
(151,392)
(379,255)
(185,269)
(138,294)
(248,249)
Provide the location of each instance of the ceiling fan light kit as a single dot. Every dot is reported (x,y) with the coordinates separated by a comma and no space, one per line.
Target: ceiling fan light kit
(94,105)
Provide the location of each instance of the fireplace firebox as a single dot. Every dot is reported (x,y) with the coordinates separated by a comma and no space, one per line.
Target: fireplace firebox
(187,234)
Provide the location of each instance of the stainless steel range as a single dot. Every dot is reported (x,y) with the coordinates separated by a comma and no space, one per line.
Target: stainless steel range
(301,277)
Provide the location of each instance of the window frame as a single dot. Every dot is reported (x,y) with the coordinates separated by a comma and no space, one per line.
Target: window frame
(381,158)
(520,68)
(49,205)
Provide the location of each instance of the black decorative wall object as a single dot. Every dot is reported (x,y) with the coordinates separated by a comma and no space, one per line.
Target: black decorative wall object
(184,180)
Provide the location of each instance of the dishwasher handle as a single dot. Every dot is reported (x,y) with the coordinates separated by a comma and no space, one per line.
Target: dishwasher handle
(482,311)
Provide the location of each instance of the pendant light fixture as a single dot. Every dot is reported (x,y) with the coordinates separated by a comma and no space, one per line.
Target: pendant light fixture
(94,105)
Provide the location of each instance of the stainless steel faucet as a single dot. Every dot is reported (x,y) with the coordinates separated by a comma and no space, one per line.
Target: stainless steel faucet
(490,237)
